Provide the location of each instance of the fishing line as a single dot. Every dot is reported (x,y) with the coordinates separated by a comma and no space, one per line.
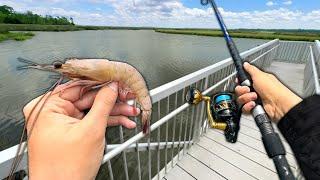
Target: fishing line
(17,158)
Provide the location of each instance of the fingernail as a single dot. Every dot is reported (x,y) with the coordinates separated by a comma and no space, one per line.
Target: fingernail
(113,86)
(245,63)
(253,104)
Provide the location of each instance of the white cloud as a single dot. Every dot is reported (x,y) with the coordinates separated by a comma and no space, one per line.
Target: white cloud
(172,13)
(270,3)
(287,2)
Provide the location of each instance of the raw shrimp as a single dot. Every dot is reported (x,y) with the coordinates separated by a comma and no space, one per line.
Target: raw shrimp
(94,72)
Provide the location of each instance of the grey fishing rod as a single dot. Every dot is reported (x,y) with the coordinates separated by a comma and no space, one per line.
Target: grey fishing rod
(270,138)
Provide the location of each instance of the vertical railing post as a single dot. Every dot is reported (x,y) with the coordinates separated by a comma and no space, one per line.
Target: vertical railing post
(315,72)
(124,155)
(158,139)
(137,146)
(191,129)
(181,121)
(201,119)
(197,122)
(167,129)
(110,170)
(174,127)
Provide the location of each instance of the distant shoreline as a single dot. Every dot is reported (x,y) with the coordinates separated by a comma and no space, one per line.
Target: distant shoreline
(251,34)
(39,27)
(292,35)
(7,30)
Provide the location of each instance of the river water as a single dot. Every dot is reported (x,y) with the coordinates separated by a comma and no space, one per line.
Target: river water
(160,58)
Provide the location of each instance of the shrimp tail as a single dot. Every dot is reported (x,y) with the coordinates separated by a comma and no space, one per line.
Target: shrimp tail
(146,114)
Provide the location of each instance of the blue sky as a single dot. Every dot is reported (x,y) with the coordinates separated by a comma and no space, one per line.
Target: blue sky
(180,13)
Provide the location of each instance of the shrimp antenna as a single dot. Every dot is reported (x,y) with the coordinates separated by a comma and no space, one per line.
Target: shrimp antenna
(22,148)
(23,60)
(27,62)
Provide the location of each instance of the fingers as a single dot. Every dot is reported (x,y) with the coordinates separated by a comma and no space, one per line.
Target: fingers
(245,98)
(248,107)
(240,90)
(71,93)
(252,70)
(121,120)
(125,95)
(125,109)
(86,101)
(102,105)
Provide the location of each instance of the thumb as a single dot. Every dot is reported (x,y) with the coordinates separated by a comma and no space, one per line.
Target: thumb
(102,105)
(252,70)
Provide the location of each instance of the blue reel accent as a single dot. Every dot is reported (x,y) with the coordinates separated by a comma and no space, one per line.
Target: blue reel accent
(222,97)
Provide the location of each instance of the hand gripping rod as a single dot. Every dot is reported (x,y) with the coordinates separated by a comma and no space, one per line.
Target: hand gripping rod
(270,138)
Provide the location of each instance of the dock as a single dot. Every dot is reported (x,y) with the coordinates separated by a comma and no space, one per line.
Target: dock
(182,146)
(214,158)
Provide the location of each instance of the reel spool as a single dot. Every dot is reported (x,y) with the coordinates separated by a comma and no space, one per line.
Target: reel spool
(222,112)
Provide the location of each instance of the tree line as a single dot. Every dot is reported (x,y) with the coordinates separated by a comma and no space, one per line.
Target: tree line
(9,16)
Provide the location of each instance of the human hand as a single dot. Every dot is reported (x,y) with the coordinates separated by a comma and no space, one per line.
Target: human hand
(276,98)
(67,144)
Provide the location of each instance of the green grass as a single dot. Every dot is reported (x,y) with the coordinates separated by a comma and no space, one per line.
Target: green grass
(18,36)
(291,35)
(38,27)
(253,34)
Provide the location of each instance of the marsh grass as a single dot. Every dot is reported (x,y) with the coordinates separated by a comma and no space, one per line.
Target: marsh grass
(39,27)
(18,36)
(291,36)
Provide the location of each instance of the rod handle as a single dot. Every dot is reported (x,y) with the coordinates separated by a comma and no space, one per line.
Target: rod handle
(272,143)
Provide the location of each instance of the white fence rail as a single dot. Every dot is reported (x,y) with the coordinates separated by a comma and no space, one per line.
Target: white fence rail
(293,51)
(311,71)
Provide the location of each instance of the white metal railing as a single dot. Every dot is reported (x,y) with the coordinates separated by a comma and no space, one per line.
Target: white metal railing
(293,51)
(311,72)
(175,125)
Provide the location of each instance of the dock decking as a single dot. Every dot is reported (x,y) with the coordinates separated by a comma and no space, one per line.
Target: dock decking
(214,158)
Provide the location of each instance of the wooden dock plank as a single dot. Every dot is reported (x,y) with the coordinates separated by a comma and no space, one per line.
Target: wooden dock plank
(248,122)
(197,169)
(257,135)
(255,152)
(218,163)
(290,74)
(253,168)
(178,173)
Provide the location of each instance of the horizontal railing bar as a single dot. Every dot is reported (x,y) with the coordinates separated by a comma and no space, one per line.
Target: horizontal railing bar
(300,42)
(144,146)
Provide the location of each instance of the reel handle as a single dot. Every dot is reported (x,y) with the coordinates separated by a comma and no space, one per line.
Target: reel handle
(229,123)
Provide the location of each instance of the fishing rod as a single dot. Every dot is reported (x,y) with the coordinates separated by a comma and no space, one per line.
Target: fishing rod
(270,138)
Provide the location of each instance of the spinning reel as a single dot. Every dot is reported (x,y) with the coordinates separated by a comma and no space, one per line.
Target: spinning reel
(222,112)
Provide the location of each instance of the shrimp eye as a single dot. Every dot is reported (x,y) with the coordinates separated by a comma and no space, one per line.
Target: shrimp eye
(57,64)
